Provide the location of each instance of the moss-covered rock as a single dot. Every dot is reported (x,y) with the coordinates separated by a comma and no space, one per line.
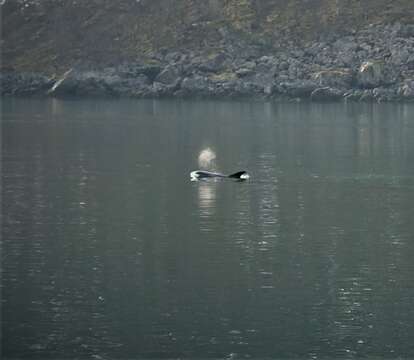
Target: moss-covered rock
(376,73)
(335,78)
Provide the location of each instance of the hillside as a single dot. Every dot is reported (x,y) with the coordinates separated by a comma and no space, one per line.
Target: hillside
(50,37)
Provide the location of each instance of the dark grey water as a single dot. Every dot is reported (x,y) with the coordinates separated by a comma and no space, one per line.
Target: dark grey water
(110,252)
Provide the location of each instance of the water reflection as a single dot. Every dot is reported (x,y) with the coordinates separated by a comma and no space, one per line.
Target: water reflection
(207,192)
(110,252)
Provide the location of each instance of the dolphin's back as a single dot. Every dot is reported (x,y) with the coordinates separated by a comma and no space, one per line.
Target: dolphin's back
(204,174)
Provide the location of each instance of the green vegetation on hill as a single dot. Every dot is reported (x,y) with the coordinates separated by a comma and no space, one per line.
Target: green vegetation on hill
(51,35)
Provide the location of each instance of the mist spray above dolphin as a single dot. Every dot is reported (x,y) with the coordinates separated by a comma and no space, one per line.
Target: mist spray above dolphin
(206,159)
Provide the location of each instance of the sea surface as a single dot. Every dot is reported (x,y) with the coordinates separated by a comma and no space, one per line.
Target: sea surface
(109,251)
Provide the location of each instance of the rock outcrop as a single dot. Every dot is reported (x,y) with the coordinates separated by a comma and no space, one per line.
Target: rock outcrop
(373,74)
(236,56)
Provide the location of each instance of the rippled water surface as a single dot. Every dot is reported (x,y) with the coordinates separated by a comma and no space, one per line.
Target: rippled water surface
(109,251)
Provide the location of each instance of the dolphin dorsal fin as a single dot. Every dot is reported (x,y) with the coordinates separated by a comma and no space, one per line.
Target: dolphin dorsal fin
(238,175)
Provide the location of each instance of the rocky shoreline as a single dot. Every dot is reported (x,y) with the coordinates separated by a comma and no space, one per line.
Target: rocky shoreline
(373,64)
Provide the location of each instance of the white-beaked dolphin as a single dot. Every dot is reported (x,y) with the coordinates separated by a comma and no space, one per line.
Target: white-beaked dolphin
(204,174)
